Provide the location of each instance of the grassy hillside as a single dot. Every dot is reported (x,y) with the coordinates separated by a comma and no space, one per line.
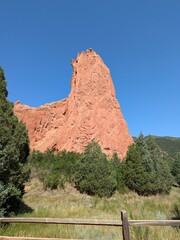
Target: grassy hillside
(69,203)
(171,145)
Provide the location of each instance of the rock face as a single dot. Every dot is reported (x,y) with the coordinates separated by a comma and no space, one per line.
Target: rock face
(91,112)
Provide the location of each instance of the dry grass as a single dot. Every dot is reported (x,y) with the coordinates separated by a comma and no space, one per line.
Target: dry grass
(69,203)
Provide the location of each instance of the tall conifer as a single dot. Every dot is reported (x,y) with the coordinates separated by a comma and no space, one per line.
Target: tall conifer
(14,150)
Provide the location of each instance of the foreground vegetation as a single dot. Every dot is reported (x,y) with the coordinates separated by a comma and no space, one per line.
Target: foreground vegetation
(87,185)
(69,203)
(14,150)
(144,170)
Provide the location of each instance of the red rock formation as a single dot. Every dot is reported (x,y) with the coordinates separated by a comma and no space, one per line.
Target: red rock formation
(91,112)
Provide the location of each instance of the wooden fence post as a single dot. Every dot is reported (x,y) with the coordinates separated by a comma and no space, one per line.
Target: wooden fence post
(125,225)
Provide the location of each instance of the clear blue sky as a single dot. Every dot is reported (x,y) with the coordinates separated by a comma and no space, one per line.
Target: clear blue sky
(138,40)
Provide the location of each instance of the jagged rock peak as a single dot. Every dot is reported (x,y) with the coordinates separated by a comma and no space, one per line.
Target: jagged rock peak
(91,112)
(91,77)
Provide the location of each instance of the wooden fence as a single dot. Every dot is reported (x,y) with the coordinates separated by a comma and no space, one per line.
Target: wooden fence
(124,224)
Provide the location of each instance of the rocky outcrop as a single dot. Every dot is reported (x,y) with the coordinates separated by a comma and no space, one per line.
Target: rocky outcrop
(91,112)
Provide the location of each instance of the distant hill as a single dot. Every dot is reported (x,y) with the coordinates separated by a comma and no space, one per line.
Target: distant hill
(171,145)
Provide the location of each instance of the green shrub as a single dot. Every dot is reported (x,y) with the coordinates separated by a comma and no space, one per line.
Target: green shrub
(51,182)
(65,164)
(94,174)
(54,182)
(53,169)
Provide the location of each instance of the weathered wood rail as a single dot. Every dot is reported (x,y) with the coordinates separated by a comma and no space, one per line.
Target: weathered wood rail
(125,224)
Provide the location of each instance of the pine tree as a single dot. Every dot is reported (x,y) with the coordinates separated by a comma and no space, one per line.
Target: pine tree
(145,155)
(163,178)
(136,177)
(14,150)
(147,162)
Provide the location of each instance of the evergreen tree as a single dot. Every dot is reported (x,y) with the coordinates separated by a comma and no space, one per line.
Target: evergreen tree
(14,150)
(145,155)
(136,177)
(163,178)
(3,84)
(118,167)
(176,168)
(94,174)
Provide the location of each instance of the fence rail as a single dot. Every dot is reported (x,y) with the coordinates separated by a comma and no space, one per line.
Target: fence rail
(124,223)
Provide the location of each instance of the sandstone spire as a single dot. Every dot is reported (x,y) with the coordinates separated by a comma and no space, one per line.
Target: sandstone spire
(91,112)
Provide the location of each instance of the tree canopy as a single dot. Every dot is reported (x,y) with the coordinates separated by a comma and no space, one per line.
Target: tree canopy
(146,169)
(94,174)
(14,150)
